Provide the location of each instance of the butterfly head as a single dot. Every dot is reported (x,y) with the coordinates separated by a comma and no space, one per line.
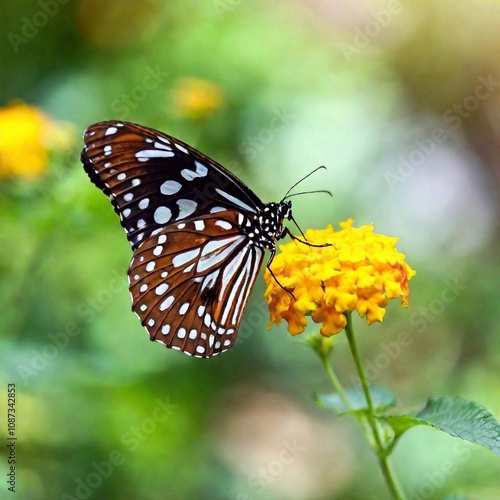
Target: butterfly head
(268,224)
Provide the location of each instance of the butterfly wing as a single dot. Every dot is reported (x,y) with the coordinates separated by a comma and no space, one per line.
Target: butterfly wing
(191,282)
(154,180)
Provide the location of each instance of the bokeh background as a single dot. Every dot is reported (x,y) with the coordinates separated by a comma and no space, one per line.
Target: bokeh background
(399,99)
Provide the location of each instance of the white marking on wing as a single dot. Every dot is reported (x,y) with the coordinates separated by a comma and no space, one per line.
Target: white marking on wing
(161,289)
(159,145)
(184,258)
(167,303)
(162,139)
(146,154)
(186,208)
(251,275)
(181,148)
(209,281)
(170,187)
(162,215)
(144,203)
(224,224)
(228,276)
(201,170)
(235,200)
(111,131)
(214,252)
(217,209)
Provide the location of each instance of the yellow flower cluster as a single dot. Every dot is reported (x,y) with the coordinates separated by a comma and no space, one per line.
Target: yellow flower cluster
(25,134)
(360,272)
(196,98)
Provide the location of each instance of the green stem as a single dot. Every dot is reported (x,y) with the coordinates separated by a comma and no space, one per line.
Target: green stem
(379,446)
(336,383)
(343,395)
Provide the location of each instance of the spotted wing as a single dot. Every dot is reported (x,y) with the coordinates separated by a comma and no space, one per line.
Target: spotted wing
(191,282)
(154,180)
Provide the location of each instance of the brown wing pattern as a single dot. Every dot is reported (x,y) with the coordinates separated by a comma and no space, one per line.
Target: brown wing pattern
(153,179)
(190,283)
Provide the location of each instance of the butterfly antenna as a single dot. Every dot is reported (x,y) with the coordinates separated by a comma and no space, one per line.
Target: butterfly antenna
(303,179)
(310,192)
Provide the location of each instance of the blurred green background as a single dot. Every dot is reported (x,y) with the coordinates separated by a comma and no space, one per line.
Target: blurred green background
(399,99)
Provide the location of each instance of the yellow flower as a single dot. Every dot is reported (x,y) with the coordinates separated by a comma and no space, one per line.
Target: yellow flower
(25,135)
(360,272)
(196,98)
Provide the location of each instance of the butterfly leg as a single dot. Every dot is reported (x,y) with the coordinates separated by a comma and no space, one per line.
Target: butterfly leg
(268,265)
(304,241)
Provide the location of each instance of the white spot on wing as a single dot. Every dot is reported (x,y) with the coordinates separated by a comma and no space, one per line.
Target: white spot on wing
(181,148)
(161,289)
(199,225)
(170,187)
(186,208)
(162,139)
(144,203)
(167,303)
(201,170)
(111,131)
(165,329)
(224,224)
(128,197)
(150,266)
(107,150)
(217,209)
(146,154)
(162,215)
(121,176)
(235,200)
(183,258)
(159,145)
(214,252)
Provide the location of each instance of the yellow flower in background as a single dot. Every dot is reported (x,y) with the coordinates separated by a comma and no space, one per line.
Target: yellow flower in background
(360,272)
(196,98)
(26,134)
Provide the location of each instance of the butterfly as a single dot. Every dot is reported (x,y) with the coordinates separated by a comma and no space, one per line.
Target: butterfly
(198,233)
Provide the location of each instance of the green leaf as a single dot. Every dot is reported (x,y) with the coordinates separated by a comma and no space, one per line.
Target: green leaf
(457,417)
(382,398)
